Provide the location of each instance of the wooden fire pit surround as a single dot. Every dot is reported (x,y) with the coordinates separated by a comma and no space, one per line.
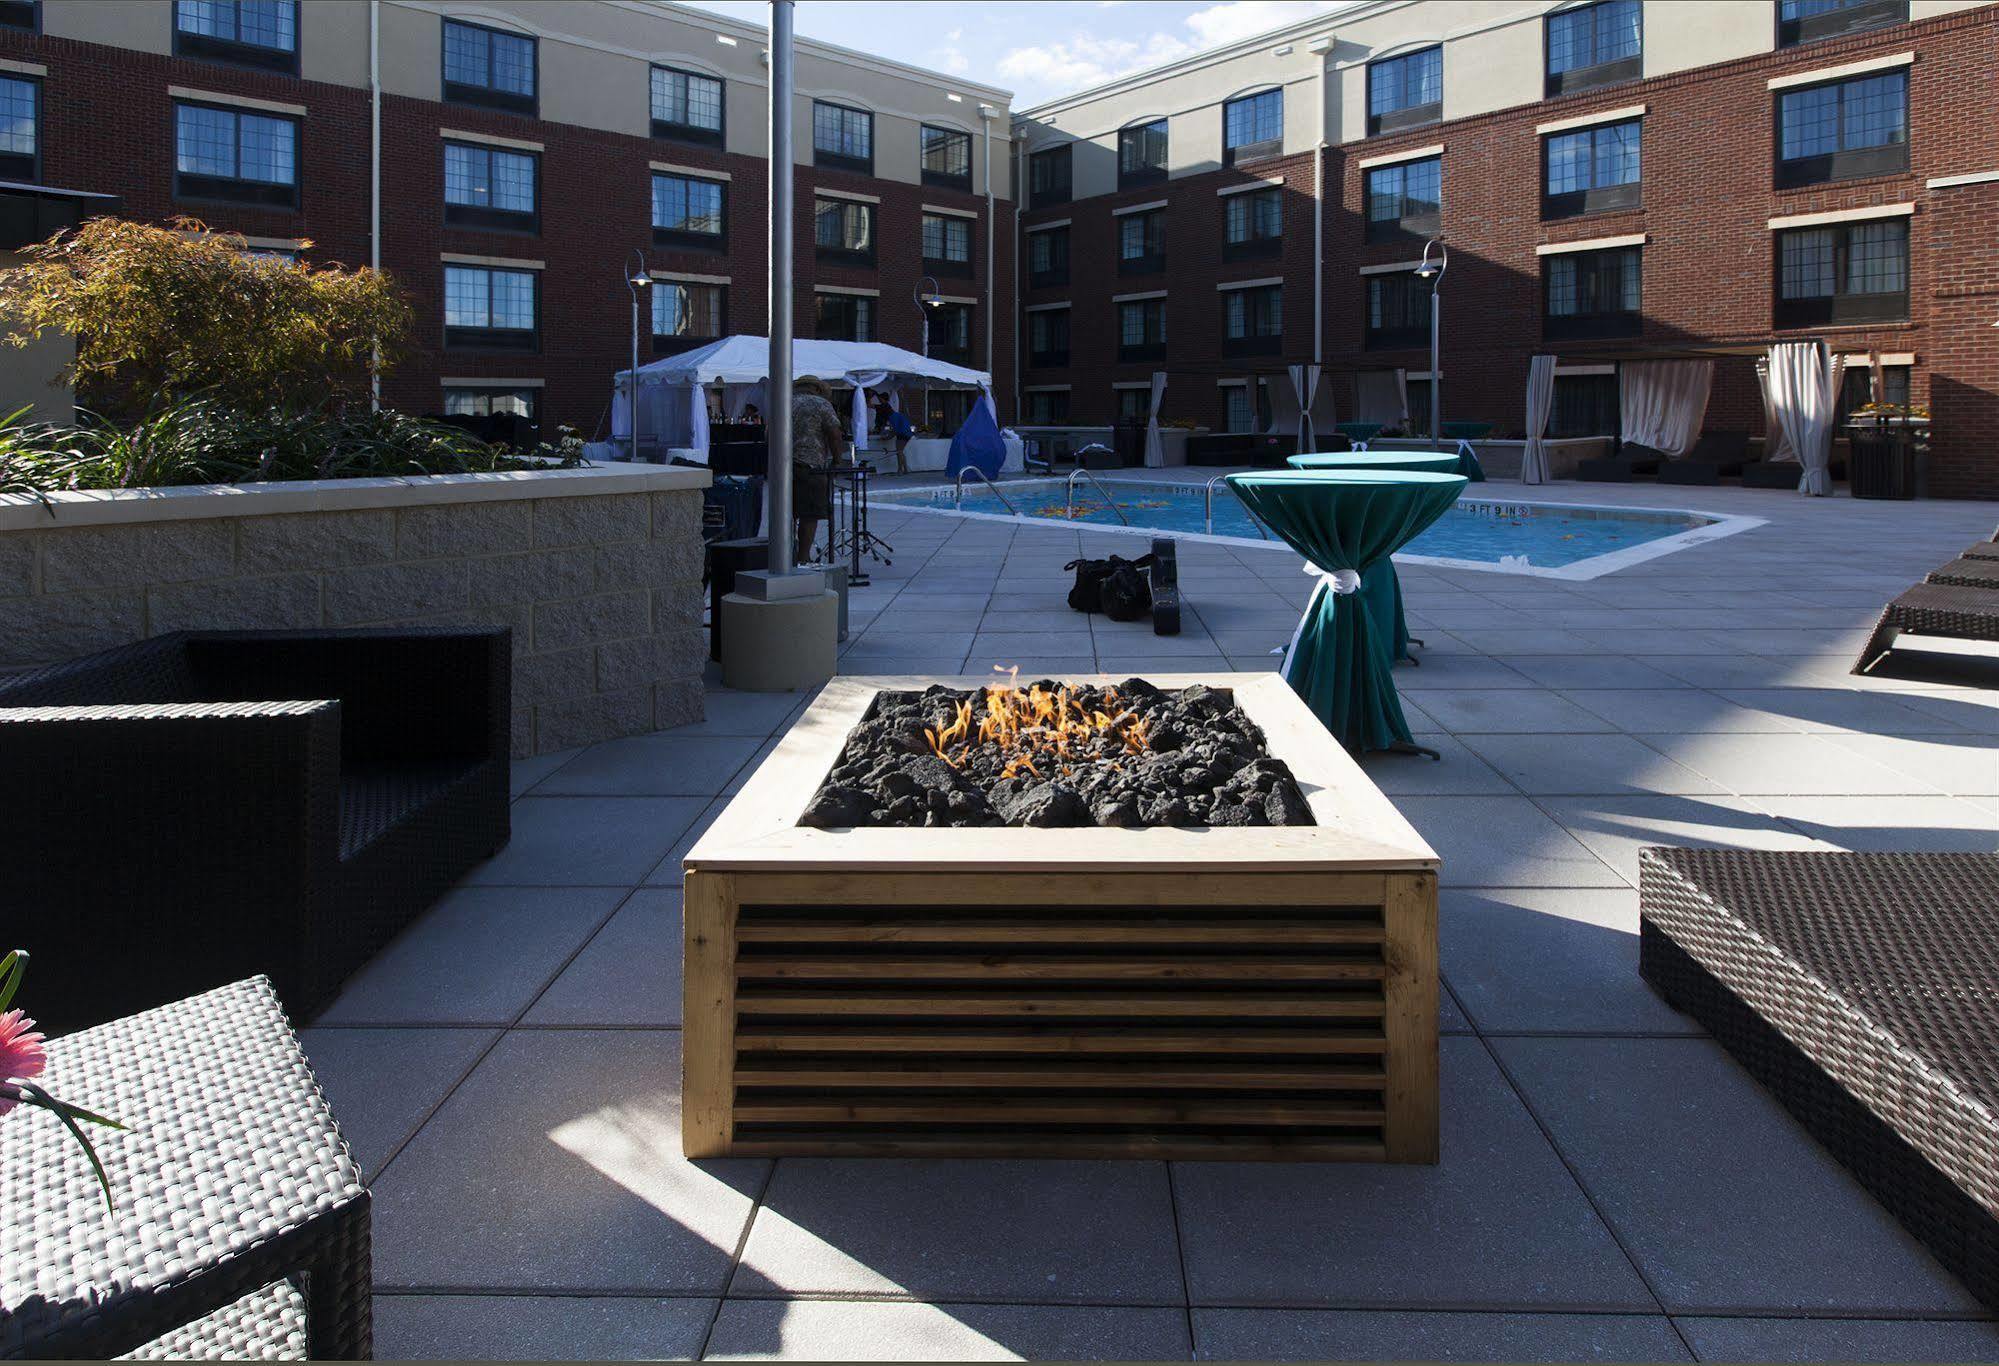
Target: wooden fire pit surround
(1174,993)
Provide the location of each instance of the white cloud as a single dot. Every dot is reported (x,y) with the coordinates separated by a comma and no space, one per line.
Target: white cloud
(1084,59)
(1226,23)
(955,62)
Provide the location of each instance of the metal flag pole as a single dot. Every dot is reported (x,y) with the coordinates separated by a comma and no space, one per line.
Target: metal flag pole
(777,421)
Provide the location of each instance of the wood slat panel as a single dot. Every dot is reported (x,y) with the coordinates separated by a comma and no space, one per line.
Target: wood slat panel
(1037,1110)
(1067,1005)
(1291,890)
(1154,1147)
(825,1038)
(892,930)
(1055,968)
(1062,1076)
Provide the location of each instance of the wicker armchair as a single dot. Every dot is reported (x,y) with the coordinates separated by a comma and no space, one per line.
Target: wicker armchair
(199,808)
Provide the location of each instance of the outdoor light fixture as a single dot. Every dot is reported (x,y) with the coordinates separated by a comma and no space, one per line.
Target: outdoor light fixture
(638,279)
(1433,271)
(927,299)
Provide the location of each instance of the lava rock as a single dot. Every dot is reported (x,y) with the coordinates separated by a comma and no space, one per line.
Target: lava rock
(838,808)
(1286,806)
(1045,805)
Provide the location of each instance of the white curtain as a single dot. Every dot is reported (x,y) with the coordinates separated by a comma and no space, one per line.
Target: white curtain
(1382,396)
(697,422)
(1775,448)
(1283,409)
(863,381)
(1304,388)
(1804,389)
(1662,402)
(1155,454)
(1540,399)
(738,397)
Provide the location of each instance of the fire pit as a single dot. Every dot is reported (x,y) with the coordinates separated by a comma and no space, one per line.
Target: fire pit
(948,983)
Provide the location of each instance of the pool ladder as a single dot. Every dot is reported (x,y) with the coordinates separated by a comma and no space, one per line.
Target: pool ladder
(958,501)
(1208,508)
(1069,495)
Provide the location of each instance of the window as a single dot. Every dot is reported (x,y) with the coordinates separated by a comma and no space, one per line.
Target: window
(1252,127)
(1252,224)
(490,308)
(1047,407)
(1141,329)
(489,187)
(686,106)
(1141,154)
(946,409)
(1590,170)
(844,317)
(260,33)
(21,14)
(1843,273)
(1585,405)
(1398,310)
(490,67)
(950,331)
(844,230)
(1048,337)
(229,154)
(1048,258)
(947,157)
(1856,386)
(1591,293)
(1141,243)
(1404,200)
(685,315)
(1595,45)
(947,244)
(20,128)
(1806,21)
(1405,92)
(1134,405)
(1237,414)
(1048,177)
(843,138)
(1416,392)
(1253,321)
(688,212)
(498,401)
(1843,129)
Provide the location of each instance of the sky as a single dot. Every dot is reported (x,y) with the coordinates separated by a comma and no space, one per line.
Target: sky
(1038,49)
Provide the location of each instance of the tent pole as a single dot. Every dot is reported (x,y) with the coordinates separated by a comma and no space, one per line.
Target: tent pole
(777,422)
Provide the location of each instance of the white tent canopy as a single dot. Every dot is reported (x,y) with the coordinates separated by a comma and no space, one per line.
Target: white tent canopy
(668,412)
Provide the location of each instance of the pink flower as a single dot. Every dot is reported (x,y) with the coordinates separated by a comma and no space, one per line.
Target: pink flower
(21,1055)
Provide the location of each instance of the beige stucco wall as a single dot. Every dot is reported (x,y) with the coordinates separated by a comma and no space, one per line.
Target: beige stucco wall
(27,376)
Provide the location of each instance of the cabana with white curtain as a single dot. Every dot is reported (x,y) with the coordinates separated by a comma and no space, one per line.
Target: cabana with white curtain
(673,392)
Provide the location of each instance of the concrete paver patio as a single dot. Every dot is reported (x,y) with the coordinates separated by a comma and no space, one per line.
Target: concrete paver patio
(1612,1187)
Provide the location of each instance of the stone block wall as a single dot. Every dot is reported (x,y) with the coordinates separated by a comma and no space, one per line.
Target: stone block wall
(602,589)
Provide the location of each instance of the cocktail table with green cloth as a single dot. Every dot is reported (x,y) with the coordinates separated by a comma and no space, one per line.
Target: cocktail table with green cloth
(1381,585)
(1344,522)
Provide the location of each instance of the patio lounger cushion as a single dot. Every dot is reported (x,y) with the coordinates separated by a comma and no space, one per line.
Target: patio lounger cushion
(1863,991)
(1932,609)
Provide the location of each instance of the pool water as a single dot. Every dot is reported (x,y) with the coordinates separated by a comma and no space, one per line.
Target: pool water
(1479,531)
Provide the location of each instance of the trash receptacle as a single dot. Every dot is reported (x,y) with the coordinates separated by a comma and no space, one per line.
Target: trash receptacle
(1881,463)
(726,559)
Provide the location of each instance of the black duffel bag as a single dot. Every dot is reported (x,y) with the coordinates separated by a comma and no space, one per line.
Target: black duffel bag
(1117,587)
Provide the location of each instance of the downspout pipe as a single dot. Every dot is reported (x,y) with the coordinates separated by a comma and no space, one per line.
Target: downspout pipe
(986,112)
(375,180)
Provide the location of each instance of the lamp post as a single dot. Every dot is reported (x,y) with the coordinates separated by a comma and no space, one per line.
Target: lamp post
(1433,271)
(777,422)
(926,299)
(638,280)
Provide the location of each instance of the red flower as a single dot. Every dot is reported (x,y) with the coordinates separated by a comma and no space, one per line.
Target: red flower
(21,1054)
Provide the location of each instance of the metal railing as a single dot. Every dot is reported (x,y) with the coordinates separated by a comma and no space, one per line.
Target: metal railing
(1069,495)
(958,501)
(1208,508)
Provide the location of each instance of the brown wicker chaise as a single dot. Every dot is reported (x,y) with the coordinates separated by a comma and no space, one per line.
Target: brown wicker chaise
(1932,609)
(1863,991)
(1969,571)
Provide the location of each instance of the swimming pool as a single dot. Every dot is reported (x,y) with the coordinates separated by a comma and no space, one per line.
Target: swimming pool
(1552,540)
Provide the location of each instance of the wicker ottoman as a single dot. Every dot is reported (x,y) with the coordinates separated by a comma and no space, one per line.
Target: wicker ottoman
(1863,991)
(241,1224)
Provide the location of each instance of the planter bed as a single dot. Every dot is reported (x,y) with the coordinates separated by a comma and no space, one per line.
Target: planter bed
(1242,992)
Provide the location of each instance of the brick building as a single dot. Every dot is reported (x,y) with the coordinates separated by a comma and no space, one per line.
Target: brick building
(1614,181)
(526,148)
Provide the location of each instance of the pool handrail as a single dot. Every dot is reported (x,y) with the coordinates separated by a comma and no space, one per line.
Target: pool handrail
(958,502)
(1208,508)
(1069,495)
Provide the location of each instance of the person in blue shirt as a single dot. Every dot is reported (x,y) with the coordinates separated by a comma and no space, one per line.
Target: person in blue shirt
(901,428)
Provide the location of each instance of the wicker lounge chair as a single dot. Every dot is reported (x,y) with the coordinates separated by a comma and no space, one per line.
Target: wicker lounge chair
(1932,609)
(1863,991)
(228,804)
(1971,571)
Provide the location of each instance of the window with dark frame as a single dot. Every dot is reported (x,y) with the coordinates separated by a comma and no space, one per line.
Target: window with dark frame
(257,33)
(1585,405)
(1048,257)
(1856,387)
(947,244)
(486,400)
(1252,126)
(1416,393)
(1592,46)
(945,410)
(1253,321)
(1843,273)
(1253,224)
(1807,21)
(1134,404)
(843,231)
(1141,154)
(1842,130)
(20,128)
(1406,91)
(489,67)
(1047,407)
(687,314)
(844,317)
(1048,337)
(1141,243)
(1048,176)
(843,138)
(1398,310)
(235,155)
(1405,200)
(491,308)
(1237,415)
(1592,293)
(1141,325)
(1591,170)
(491,187)
(950,331)
(687,106)
(21,14)
(689,212)
(947,157)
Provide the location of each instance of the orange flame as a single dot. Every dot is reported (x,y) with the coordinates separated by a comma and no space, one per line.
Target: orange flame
(1037,722)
